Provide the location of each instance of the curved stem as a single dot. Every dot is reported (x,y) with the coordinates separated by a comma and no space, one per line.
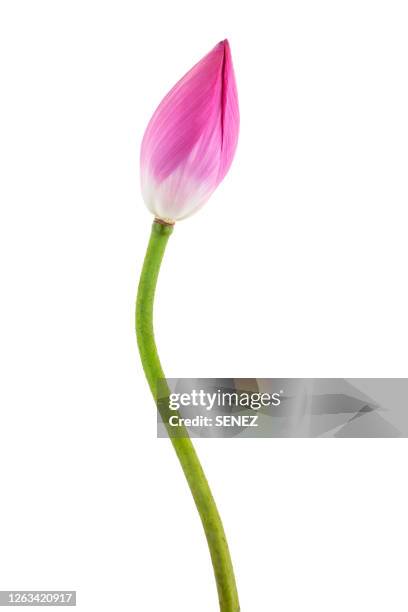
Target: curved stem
(210,518)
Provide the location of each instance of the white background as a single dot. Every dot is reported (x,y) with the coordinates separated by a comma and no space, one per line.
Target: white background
(296,267)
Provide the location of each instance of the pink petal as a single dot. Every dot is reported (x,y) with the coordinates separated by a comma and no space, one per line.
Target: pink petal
(191,139)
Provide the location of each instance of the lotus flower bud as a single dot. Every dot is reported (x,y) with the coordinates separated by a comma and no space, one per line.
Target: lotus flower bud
(191,139)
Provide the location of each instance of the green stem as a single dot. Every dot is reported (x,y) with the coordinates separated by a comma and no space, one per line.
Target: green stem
(210,518)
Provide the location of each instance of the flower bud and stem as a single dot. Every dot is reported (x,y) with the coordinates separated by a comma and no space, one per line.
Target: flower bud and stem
(187,149)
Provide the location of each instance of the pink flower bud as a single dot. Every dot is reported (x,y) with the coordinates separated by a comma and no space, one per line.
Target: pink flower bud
(191,139)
